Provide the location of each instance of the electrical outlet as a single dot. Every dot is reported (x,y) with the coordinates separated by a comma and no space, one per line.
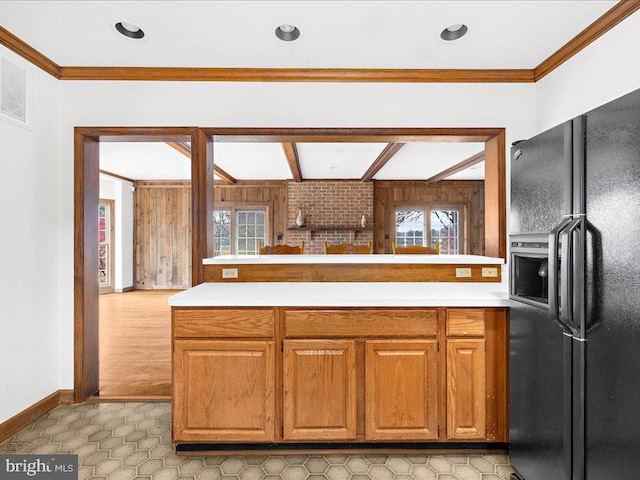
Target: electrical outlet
(489,272)
(463,272)
(229,273)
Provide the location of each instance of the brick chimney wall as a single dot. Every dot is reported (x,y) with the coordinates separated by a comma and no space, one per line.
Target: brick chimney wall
(329,203)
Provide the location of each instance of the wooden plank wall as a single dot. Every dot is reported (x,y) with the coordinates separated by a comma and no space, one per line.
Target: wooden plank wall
(162,235)
(390,194)
(273,194)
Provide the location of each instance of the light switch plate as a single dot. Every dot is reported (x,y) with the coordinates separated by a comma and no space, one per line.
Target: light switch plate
(229,273)
(489,272)
(463,272)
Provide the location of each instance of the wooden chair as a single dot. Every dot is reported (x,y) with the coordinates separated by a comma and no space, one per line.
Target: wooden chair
(348,248)
(416,249)
(281,250)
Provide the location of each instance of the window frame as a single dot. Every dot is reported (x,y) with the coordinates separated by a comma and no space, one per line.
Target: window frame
(427,208)
(234,207)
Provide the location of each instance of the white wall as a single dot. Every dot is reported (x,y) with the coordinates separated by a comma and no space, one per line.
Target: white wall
(607,69)
(29,214)
(124,236)
(120,192)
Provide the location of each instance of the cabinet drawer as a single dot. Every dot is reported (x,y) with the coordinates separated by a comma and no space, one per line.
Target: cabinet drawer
(360,323)
(250,322)
(465,323)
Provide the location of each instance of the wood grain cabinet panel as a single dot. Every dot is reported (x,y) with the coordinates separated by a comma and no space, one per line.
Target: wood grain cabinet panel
(223,391)
(466,385)
(361,323)
(466,322)
(401,390)
(319,390)
(208,322)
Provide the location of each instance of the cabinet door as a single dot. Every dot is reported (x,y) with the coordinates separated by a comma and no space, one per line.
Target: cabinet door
(466,400)
(223,390)
(319,389)
(401,390)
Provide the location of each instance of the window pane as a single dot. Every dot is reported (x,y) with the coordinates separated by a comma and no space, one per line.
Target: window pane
(409,227)
(222,232)
(446,229)
(250,227)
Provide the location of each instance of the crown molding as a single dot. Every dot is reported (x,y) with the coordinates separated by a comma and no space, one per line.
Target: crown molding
(29,53)
(343,75)
(606,22)
(602,25)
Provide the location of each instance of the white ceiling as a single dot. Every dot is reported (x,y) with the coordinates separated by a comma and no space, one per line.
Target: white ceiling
(424,160)
(144,161)
(337,160)
(267,161)
(335,34)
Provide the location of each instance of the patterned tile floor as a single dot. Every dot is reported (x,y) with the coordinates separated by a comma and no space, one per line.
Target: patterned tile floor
(125,441)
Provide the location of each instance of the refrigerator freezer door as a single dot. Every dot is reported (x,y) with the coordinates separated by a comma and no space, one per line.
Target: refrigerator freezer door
(540,395)
(612,299)
(541,181)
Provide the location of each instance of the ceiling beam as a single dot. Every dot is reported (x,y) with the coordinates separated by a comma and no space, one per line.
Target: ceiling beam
(389,151)
(602,25)
(458,167)
(185,149)
(115,175)
(291,152)
(182,147)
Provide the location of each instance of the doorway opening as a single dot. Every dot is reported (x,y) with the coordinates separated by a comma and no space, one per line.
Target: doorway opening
(201,143)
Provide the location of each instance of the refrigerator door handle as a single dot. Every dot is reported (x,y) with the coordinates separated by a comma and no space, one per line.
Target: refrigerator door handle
(566,275)
(554,238)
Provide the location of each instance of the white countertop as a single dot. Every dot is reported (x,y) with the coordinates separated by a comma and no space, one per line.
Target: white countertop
(332,259)
(343,294)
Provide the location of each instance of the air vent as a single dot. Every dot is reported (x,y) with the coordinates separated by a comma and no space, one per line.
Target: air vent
(15,103)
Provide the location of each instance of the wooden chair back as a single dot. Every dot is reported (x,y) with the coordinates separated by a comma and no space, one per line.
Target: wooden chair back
(347,248)
(281,249)
(416,249)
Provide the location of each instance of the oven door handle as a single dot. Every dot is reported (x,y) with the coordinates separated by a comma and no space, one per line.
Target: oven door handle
(553,273)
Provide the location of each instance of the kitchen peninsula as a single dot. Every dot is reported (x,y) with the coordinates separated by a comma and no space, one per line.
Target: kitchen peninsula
(265,359)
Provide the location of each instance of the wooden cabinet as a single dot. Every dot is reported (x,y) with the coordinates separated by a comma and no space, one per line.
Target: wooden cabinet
(223,387)
(319,390)
(466,401)
(251,375)
(466,378)
(401,390)
(224,390)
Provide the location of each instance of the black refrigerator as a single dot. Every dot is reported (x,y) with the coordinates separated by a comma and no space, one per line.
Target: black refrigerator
(575,289)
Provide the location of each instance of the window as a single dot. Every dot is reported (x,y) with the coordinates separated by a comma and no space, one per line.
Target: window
(239,230)
(429,225)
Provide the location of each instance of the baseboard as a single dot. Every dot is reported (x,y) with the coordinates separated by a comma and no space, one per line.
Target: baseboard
(125,398)
(66,397)
(125,289)
(35,411)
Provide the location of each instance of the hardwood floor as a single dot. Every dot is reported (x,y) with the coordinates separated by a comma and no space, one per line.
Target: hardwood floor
(135,343)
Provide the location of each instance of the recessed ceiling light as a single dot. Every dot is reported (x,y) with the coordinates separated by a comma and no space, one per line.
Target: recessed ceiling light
(129,30)
(454,32)
(287,33)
